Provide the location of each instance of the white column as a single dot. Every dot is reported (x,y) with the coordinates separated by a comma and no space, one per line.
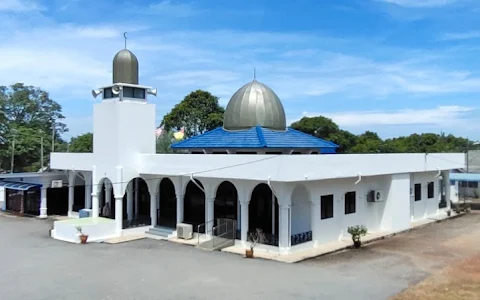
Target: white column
(3,203)
(315,219)
(95,205)
(153,208)
(137,194)
(119,215)
(244,220)
(88,194)
(129,202)
(179,208)
(71,195)
(210,212)
(284,228)
(43,202)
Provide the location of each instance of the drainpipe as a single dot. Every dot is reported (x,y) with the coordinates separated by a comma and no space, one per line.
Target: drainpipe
(199,186)
(439,172)
(359,178)
(271,188)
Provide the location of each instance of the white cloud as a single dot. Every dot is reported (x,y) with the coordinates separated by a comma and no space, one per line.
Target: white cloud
(19,6)
(420,3)
(461,35)
(433,116)
(68,60)
(174,8)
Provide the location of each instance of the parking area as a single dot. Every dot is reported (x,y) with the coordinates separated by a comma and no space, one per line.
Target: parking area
(35,266)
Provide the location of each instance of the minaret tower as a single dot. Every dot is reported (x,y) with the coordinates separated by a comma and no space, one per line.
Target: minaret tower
(123,122)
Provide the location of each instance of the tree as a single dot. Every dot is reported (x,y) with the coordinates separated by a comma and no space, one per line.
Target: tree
(82,143)
(164,141)
(28,115)
(326,129)
(370,142)
(197,113)
(317,126)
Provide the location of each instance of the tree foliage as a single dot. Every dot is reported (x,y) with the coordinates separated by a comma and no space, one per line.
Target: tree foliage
(82,143)
(370,142)
(28,114)
(197,113)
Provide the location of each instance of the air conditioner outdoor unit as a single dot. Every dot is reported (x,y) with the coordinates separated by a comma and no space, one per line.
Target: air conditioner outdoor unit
(375,196)
(57,183)
(184,231)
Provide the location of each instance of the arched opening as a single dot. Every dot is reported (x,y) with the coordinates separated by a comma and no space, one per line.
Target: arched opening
(263,213)
(301,216)
(106,199)
(137,204)
(226,201)
(194,205)
(167,215)
(79,193)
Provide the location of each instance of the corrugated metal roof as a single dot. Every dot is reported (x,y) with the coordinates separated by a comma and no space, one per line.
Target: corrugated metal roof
(472,177)
(255,137)
(20,186)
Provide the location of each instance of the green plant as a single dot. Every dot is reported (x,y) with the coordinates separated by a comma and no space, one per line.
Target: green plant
(256,237)
(357,232)
(79,229)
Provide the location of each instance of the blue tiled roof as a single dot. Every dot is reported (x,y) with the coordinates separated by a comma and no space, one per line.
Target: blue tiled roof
(256,137)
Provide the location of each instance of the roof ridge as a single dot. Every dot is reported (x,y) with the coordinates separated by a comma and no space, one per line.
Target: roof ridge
(260,136)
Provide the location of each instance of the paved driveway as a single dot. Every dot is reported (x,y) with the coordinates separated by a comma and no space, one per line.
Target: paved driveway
(35,266)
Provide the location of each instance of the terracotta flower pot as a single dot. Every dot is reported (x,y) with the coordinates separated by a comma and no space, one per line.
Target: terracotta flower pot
(83,238)
(249,253)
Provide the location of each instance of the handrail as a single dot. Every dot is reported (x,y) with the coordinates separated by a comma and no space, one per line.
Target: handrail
(206,231)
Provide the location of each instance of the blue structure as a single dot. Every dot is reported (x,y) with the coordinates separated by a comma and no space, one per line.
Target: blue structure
(466,177)
(257,138)
(254,123)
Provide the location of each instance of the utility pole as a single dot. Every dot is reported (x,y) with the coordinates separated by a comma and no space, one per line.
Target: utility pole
(13,155)
(41,153)
(53,137)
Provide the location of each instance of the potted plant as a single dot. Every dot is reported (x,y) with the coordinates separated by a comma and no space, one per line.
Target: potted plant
(83,237)
(449,212)
(357,232)
(254,238)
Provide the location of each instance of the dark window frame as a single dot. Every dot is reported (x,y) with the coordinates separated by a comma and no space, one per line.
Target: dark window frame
(418,191)
(326,206)
(430,190)
(350,202)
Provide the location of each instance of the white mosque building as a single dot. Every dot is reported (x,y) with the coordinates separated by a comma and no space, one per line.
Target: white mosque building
(299,201)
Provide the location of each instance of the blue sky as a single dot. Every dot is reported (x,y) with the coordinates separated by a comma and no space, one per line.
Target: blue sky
(391,66)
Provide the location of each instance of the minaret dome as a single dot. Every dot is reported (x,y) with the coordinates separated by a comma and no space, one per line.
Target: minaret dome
(125,67)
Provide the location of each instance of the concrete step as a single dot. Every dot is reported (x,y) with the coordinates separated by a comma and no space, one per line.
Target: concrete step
(160,231)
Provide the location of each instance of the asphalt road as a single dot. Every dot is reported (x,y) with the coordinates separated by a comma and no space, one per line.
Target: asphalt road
(35,266)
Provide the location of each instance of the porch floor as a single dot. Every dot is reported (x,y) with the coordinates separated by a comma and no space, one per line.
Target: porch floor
(331,247)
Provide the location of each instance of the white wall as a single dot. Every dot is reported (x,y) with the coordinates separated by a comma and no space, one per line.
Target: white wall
(300,210)
(2,198)
(396,214)
(368,214)
(425,207)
